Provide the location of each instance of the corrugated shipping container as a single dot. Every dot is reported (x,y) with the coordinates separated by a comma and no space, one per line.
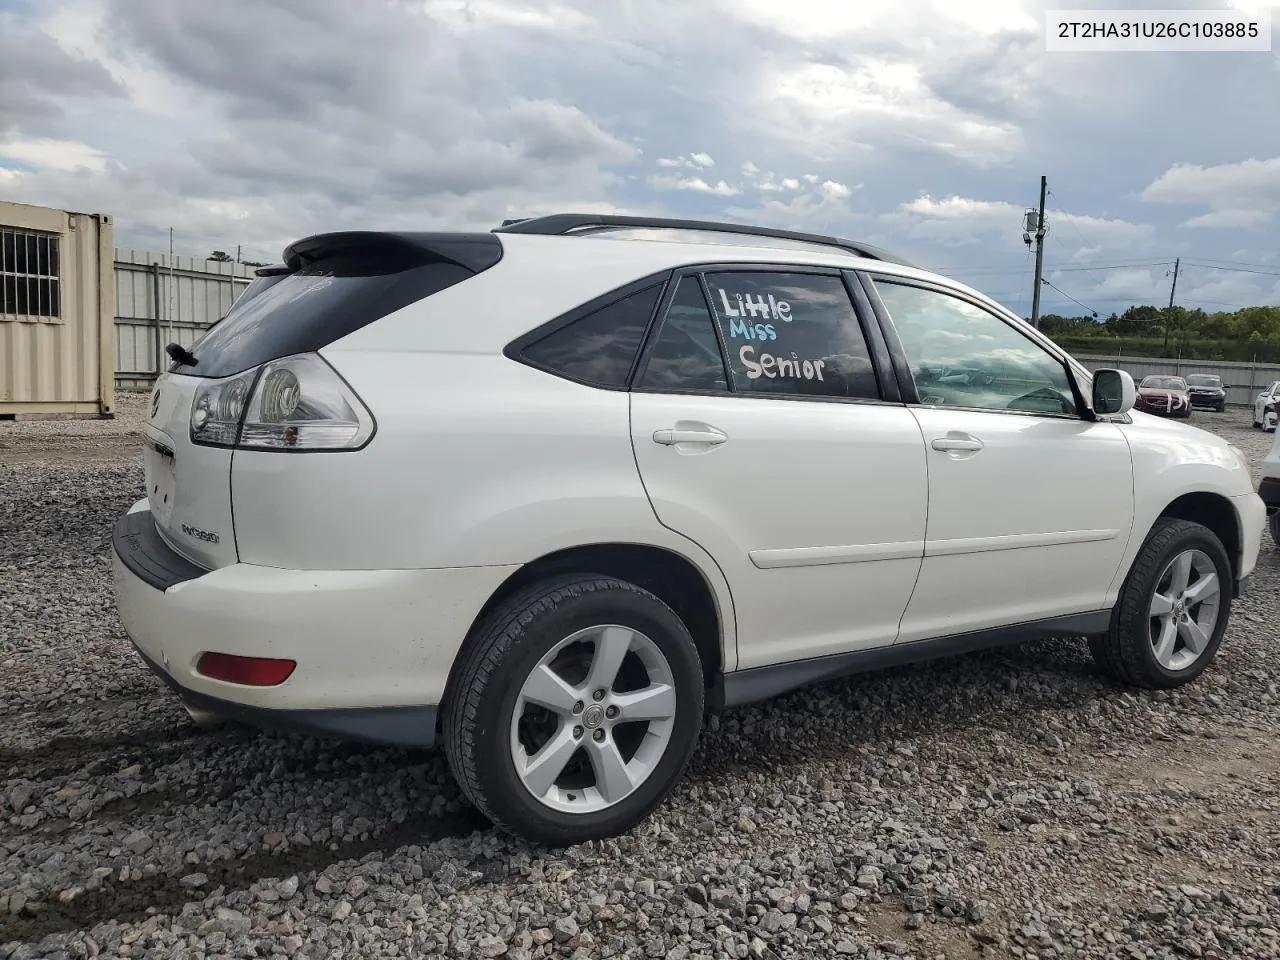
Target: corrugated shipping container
(57,311)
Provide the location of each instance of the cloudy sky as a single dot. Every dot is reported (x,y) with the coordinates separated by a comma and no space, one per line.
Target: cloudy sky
(918,125)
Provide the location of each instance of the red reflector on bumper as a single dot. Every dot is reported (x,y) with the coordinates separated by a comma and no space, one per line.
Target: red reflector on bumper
(246,671)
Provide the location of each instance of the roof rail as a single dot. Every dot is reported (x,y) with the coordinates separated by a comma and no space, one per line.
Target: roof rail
(559,224)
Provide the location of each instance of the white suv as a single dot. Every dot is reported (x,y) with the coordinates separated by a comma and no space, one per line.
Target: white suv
(547,494)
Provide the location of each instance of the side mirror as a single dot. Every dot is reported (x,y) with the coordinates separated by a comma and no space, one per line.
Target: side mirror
(1113,392)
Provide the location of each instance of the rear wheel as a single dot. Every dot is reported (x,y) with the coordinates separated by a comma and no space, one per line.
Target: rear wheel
(1273,522)
(1173,609)
(576,708)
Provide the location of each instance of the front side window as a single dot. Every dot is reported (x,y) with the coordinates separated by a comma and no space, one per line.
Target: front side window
(792,333)
(600,347)
(963,356)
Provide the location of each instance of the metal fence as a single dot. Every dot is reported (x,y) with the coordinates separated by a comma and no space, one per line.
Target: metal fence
(159,302)
(1242,380)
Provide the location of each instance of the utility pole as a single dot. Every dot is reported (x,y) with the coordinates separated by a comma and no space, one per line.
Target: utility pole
(1040,230)
(1176,263)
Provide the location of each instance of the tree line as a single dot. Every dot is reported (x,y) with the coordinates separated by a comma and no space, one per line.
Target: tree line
(1250,334)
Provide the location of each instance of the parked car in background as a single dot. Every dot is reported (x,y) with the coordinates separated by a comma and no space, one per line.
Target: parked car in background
(546,495)
(1164,396)
(1266,407)
(1207,391)
(1269,489)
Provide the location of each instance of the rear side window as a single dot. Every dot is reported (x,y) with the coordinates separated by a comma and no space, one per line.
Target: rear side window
(792,333)
(686,354)
(323,302)
(598,348)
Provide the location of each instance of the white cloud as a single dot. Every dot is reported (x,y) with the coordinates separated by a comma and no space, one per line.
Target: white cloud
(47,154)
(697,184)
(1238,195)
(882,103)
(815,20)
(957,221)
(694,161)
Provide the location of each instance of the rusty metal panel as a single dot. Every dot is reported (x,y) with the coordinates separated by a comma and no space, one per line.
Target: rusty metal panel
(53,287)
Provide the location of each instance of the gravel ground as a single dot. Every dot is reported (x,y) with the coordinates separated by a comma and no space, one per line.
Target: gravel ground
(1010,804)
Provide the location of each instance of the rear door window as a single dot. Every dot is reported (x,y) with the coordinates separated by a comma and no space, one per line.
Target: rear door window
(792,334)
(686,353)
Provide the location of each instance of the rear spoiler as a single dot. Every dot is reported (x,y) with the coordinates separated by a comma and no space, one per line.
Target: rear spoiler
(471,251)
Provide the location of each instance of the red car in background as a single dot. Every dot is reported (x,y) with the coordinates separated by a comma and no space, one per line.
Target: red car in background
(1164,396)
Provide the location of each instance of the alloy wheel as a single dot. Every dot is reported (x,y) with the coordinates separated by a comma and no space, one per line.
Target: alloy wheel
(1183,613)
(593,719)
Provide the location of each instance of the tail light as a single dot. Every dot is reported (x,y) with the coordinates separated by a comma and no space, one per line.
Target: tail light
(296,403)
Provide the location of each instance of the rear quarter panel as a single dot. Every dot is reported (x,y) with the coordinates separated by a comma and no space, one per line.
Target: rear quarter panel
(477,461)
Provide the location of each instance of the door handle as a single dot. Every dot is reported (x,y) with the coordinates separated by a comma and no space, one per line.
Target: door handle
(688,435)
(957,444)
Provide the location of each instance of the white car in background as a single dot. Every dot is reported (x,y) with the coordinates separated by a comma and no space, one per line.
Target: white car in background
(1269,489)
(545,495)
(1265,413)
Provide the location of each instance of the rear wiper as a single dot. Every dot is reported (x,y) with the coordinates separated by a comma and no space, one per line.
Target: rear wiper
(180,354)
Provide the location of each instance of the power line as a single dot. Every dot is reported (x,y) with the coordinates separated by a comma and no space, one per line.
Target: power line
(1237,263)
(1211,266)
(1068,296)
(1119,265)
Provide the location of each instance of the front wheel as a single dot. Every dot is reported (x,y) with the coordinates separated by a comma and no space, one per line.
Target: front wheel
(1273,522)
(1172,611)
(576,707)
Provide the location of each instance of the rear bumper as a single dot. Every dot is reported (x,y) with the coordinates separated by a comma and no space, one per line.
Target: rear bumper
(403,726)
(1269,493)
(373,647)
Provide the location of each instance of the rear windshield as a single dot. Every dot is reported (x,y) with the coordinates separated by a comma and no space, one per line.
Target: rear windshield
(311,308)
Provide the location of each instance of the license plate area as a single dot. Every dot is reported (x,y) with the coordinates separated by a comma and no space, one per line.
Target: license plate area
(159,471)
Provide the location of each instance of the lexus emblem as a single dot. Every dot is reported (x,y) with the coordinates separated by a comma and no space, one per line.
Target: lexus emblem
(155,403)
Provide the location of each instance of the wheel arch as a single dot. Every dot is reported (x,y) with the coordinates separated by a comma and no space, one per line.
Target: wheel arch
(674,578)
(1214,511)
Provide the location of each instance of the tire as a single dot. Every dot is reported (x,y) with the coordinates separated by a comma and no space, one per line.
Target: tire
(1127,651)
(1273,522)
(487,751)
